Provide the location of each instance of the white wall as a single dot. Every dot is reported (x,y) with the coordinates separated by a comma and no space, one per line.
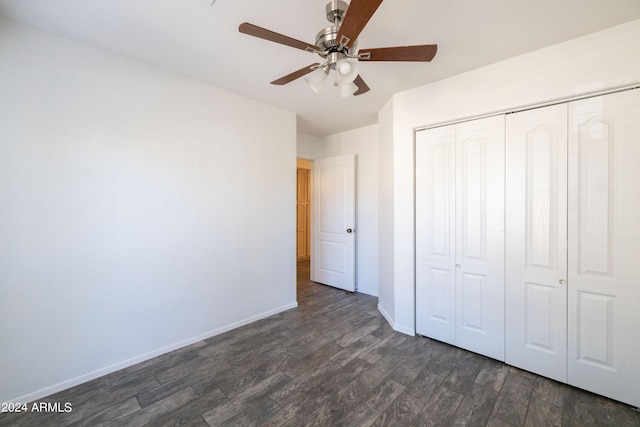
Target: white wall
(131,222)
(599,61)
(386,295)
(308,146)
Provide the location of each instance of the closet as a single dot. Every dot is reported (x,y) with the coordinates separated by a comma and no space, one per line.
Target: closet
(571,239)
(460,235)
(573,243)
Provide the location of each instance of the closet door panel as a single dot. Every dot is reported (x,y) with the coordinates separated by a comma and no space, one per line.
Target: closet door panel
(480,236)
(435,244)
(536,241)
(604,246)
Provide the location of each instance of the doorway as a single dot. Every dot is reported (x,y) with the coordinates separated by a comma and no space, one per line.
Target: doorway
(326,230)
(303,219)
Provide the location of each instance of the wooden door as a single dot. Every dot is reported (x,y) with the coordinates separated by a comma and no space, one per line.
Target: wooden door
(303,215)
(435,233)
(536,241)
(333,259)
(480,236)
(604,246)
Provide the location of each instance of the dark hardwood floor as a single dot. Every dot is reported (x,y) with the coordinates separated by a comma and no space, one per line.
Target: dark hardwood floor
(334,361)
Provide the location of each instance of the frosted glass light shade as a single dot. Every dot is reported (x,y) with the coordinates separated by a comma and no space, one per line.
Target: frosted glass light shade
(316,79)
(347,70)
(347,89)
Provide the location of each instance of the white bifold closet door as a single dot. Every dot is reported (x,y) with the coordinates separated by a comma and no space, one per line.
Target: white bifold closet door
(604,246)
(435,234)
(536,241)
(573,243)
(460,235)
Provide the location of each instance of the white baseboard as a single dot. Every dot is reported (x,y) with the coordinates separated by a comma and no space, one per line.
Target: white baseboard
(404,330)
(397,328)
(385,315)
(372,292)
(48,391)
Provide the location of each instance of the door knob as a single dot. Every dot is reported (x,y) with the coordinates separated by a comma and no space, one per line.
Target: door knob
(562,281)
(349,230)
(457,265)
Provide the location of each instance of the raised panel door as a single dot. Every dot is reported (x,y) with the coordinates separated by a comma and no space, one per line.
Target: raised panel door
(479,225)
(435,233)
(303,226)
(604,245)
(536,241)
(333,260)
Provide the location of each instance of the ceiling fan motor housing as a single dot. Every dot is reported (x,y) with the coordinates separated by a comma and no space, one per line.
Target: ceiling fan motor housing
(326,39)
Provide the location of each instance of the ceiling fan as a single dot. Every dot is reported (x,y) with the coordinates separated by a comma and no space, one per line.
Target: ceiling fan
(337,46)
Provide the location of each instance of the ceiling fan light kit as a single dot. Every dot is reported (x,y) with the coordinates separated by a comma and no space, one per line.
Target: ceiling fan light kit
(347,89)
(316,79)
(337,46)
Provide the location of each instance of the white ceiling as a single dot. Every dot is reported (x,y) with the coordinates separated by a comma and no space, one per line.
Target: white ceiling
(201,41)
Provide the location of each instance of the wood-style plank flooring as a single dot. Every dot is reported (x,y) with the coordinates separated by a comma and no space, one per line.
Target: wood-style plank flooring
(334,361)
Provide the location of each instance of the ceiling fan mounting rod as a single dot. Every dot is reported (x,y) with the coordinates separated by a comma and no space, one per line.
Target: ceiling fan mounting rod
(335,11)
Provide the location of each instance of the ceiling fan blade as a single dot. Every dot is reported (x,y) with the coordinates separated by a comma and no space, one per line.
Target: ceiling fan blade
(295,75)
(420,53)
(362,86)
(358,14)
(263,33)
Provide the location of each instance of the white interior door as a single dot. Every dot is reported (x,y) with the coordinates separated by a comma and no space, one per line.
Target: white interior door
(334,242)
(480,236)
(435,233)
(536,241)
(460,235)
(604,246)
